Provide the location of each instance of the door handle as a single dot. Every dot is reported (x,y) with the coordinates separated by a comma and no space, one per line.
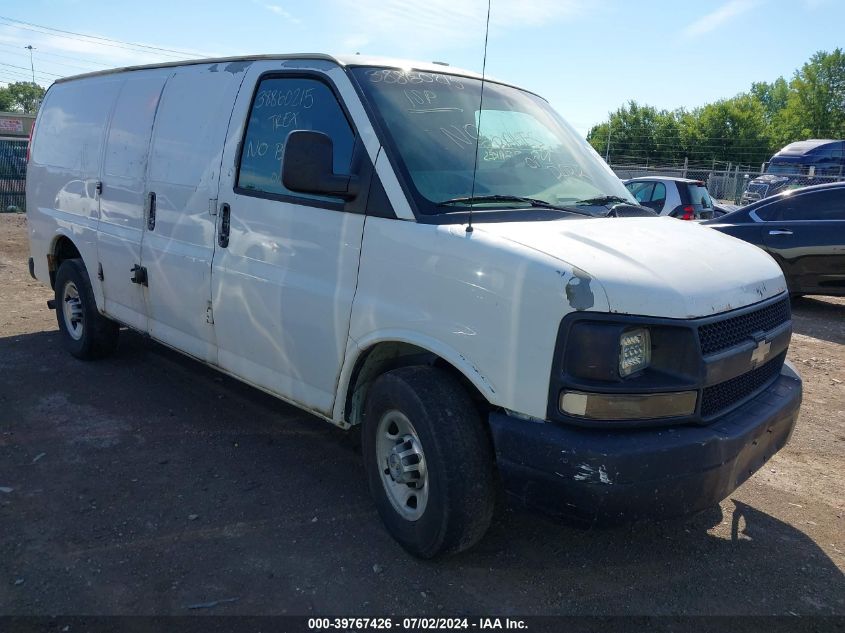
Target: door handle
(225,225)
(151,210)
(780,232)
(139,275)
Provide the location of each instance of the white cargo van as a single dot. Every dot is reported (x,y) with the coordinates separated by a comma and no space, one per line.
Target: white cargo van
(358,237)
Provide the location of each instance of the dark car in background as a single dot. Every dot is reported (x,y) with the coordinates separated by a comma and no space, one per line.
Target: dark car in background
(803,229)
(799,164)
(680,198)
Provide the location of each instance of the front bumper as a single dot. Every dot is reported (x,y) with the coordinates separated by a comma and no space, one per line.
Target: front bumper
(616,476)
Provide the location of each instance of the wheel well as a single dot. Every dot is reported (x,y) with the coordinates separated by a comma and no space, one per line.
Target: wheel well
(384,357)
(63,249)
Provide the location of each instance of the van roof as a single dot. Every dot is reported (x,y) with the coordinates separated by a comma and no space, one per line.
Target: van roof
(341,60)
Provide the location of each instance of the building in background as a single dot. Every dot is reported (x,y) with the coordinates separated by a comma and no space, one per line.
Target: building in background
(14,137)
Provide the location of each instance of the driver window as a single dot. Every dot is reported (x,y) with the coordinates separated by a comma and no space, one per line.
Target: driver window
(280,106)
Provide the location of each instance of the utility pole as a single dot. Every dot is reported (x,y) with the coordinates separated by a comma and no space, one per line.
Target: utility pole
(31,63)
(607,150)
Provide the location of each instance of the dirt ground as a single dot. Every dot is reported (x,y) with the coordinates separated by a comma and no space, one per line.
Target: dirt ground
(150,484)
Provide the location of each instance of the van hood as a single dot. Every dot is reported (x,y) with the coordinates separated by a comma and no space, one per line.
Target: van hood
(660,267)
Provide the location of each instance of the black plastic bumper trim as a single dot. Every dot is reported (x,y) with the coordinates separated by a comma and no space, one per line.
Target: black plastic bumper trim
(617,475)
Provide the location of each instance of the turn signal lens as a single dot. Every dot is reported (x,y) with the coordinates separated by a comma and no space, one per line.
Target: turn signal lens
(627,406)
(634,351)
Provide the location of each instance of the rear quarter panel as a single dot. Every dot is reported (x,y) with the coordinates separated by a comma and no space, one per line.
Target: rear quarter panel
(64,169)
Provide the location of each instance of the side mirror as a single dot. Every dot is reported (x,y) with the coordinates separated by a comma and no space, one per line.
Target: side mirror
(308,166)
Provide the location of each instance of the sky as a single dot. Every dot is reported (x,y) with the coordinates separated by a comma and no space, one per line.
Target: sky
(587,57)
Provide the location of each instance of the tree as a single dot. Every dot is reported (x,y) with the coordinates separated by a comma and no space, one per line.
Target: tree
(638,133)
(816,104)
(22,96)
(745,129)
(732,130)
(773,96)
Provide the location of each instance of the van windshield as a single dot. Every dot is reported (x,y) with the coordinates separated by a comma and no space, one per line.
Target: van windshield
(432,122)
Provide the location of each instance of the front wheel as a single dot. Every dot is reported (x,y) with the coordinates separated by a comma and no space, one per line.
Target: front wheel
(429,461)
(86,333)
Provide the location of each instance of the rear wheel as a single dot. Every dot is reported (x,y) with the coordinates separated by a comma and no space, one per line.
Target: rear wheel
(86,333)
(429,461)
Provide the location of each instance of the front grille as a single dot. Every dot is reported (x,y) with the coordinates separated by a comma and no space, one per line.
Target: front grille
(721,335)
(719,397)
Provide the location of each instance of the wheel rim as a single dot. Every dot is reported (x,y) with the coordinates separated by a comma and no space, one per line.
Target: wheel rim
(401,463)
(72,311)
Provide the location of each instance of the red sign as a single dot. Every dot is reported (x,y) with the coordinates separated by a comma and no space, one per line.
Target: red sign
(11,125)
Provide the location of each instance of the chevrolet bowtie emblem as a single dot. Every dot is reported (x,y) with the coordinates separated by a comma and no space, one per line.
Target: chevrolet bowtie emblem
(760,353)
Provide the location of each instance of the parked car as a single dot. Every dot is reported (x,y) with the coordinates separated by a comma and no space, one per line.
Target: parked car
(680,198)
(327,230)
(722,208)
(803,229)
(799,164)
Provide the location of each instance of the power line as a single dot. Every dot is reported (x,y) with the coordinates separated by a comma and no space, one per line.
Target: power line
(42,53)
(677,139)
(639,152)
(16,73)
(14,79)
(134,50)
(49,62)
(40,72)
(77,59)
(10,71)
(106,40)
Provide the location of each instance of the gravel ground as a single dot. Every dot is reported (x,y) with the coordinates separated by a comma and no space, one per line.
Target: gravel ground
(149,484)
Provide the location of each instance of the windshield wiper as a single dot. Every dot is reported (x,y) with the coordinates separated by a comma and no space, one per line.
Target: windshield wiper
(601,201)
(534,202)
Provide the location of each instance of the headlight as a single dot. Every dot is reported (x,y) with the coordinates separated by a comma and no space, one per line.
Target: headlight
(617,368)
(634,351)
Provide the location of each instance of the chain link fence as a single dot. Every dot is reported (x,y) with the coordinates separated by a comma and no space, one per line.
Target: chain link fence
(736,184)
(12,176)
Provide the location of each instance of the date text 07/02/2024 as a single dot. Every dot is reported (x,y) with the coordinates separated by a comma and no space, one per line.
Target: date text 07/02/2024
(361,624)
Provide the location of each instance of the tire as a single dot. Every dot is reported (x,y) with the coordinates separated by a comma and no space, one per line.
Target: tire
(86,333)
(452,508)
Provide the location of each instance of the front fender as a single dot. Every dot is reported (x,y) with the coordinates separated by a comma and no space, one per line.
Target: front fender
(356,348)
